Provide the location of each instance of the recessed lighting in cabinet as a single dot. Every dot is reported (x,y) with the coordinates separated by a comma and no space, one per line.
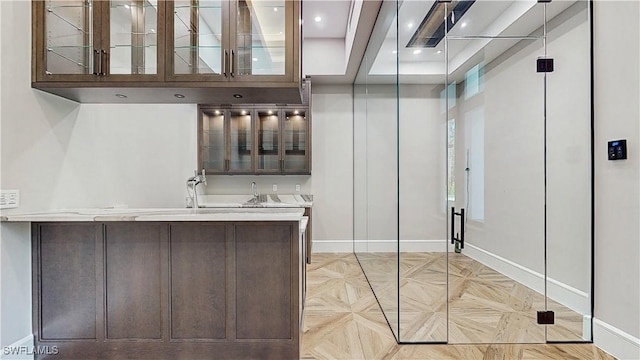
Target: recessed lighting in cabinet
(237,96)
(179,96)
(295,112)
(121,96)
(217,112)
(270,112)
(243,112)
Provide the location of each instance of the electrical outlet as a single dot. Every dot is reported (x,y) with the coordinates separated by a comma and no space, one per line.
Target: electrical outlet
(297,187)
(9,199)
(275,187)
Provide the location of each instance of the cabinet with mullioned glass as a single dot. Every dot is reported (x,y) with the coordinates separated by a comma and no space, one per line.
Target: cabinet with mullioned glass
(233,40)
(98,41)
(226,140)
(255,140)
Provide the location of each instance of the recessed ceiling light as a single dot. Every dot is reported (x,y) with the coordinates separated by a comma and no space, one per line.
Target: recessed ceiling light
(126,6)
(280,32)
(410,25)
(237,96)
(439,52)
(317,18)
(417,51)
(179,96)
(394,52)
(275,9)
(153,31)
(463,24)
(255,59)
(121,96)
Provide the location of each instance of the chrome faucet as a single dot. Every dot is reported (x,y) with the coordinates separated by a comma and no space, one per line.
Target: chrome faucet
(254,190)
(192,187)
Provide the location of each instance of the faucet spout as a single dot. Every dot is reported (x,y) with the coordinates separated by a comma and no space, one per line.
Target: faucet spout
(254,190)
(192,187)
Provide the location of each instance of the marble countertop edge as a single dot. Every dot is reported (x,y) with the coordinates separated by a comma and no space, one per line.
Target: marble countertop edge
(159,214)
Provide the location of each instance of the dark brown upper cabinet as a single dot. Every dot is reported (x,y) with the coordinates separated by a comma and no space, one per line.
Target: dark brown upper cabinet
(255,139)
(237,40)
(163,51)
(98,41)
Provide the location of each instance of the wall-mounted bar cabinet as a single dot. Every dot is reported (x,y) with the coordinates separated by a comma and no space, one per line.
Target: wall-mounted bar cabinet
(255,139)
(157,51)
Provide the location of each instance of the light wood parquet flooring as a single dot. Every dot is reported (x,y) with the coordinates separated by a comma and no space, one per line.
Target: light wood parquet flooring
(342,320)
(485,306)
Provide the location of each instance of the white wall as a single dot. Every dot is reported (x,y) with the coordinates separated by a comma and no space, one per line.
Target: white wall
(332,167)
(617,114)
(324,56)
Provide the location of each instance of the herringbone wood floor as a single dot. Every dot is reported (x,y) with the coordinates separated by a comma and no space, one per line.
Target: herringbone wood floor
(342,320)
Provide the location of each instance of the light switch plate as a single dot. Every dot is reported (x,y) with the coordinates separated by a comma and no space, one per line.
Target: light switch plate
(9,199)
(275,187)
(297,187)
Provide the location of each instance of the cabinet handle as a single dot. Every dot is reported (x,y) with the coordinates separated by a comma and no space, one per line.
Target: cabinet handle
(224,63)
(96,62)
(233,63)
(103,62)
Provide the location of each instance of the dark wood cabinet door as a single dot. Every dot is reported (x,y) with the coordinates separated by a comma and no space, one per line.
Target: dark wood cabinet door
(133,280)
(67,293)
(198,281)
(264,279)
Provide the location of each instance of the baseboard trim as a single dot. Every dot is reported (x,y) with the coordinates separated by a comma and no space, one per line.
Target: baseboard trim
(25,353)
(343,246)
(615,341)
(575,299)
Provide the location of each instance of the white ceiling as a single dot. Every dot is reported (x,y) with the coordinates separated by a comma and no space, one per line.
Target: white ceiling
(334,15)
(485,18)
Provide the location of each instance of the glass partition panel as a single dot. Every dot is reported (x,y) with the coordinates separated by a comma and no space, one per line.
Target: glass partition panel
(422,182)
(69,37)
(261,34)
(376,195)
(496,137)
(268,140)
(133,41)
(568,173)
(241,141)
(198,38)
(492,170)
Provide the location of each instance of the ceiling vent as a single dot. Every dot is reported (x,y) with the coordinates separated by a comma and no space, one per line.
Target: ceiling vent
(431,29)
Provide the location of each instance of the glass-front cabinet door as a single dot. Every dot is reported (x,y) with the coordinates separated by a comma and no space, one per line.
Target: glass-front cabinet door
(268,131)
(133,40)
(263,40)
(65,39)
(296,141)
(199,39)
(89,40)
(213,150)
(232,40)
(240,141)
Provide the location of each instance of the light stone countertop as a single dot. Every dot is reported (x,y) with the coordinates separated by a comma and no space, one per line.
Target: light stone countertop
(270,201)
(159,214)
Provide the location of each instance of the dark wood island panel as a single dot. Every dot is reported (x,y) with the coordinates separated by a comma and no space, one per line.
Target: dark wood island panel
(167,290)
